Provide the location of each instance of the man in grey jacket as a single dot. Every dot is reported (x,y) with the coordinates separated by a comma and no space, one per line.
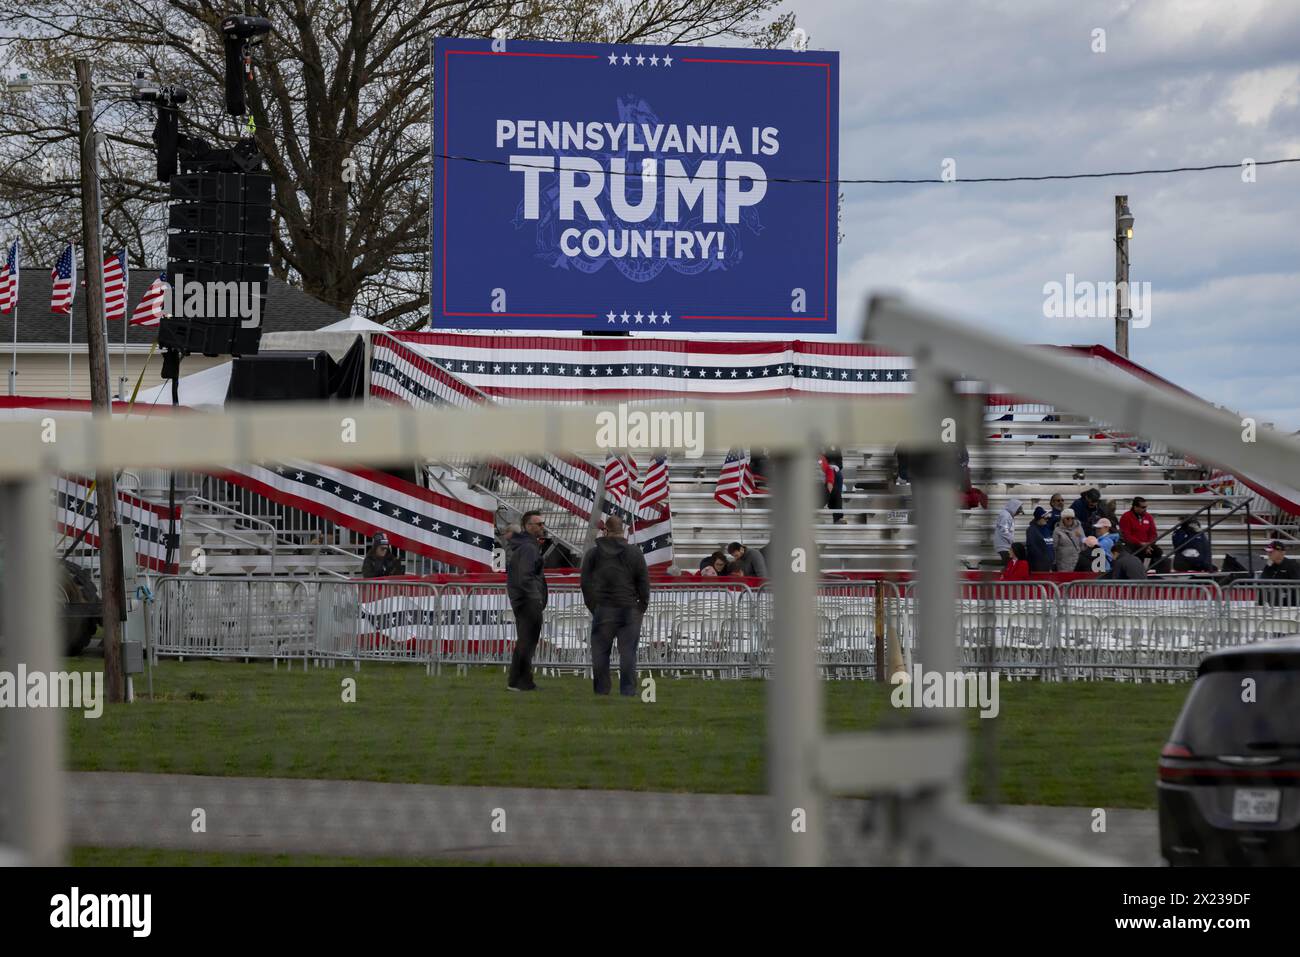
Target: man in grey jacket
(748,561)
(526,589)
(616,590)
(1004,532)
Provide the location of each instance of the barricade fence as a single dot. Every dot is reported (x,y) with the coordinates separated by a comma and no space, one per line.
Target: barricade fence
(1085,630)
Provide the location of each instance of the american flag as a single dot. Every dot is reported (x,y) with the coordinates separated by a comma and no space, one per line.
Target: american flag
(655,489)
(736,480)
(150,310)
(620,471)
(115,276)
(64,278)
(9,279)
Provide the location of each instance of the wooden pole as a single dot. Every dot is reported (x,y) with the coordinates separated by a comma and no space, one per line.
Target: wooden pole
(110,555)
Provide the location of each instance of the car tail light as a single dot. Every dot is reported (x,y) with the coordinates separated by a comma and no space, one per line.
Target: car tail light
(1172,750)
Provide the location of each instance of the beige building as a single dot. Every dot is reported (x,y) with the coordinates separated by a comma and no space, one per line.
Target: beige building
(42,352)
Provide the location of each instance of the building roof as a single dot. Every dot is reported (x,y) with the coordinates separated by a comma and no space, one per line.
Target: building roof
(287,310)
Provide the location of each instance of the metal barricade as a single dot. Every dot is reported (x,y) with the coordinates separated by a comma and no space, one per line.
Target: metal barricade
(478,626)
(1133,630)
(228,617)
(376,620)
(852,615)
(1255,610)
(1008,627)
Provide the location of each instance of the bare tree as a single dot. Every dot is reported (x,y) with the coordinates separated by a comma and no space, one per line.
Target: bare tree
(340,105)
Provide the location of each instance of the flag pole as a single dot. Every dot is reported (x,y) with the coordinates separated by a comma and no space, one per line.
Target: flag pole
(71,307)
(13,365)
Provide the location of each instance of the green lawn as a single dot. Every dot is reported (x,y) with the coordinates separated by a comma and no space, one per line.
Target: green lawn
(150,857)
(1070,744)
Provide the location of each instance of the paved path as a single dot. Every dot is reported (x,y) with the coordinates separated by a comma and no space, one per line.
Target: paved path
(368,819)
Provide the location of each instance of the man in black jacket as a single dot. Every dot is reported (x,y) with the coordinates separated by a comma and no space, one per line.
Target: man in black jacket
(616,590)
(526,589)
(380,561)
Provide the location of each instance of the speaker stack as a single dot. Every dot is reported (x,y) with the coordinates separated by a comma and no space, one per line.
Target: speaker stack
(219,245)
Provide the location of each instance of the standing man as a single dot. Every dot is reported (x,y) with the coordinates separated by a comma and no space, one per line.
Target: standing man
(748,561)
(616,590)
(832,466)
(1004,531)
(1138,530)
(526,589)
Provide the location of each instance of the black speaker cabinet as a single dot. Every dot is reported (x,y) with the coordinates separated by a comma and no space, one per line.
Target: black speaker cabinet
(280,377)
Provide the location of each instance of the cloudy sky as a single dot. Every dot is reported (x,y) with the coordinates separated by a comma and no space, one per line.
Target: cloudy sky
(1012,87)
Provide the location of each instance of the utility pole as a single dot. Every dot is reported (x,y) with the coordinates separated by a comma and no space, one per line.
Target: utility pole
(110,543)
(1123,233)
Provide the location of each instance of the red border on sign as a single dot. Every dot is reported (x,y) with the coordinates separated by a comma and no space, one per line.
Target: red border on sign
(591,56)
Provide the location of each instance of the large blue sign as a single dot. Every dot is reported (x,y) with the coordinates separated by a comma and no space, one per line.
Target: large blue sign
(633,188)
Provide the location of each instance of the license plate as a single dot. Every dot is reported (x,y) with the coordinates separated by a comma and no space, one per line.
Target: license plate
(1251,806)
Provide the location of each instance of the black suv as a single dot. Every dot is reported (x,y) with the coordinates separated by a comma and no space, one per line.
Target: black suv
(1229,779)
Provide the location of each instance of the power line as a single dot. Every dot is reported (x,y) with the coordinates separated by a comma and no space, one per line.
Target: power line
(889,182)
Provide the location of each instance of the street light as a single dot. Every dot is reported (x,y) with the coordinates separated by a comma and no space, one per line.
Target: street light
(1124,223)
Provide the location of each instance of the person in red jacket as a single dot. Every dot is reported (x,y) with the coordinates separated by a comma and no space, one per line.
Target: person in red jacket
(1137,529)
(1018,568)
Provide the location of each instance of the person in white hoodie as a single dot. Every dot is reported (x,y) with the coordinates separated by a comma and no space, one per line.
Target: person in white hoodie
(1004,532)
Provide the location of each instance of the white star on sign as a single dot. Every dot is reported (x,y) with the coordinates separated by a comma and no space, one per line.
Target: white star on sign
(668,61)
(415,519)
(874,376)
(626,58)
(655,370)
(397,512)
(859,376)
(665,318)
(529,370)
(320,483)
(337,489)
(639,317)
(733,373)
(844,375)
(561,370)
(514,368)
(455,533)
(624,317)
(357,497)
(496,369)
(613,59)
(610,316)
(640,60)
(437,525)
(377,504)
(638,370)
(749,373)
(889,375)
(608,371)
(299,476)
(654,60)
(652,317)
(717,373)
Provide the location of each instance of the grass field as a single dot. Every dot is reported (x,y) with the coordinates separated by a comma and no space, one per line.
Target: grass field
(150,857)
(1091,744)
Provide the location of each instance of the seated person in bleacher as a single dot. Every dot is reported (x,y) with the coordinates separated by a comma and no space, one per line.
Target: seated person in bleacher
(1067,541)
(715,566)
(1018,568)
(1138,529)
(1038,543)
(1106,539)
(1126,566)
(1192,548)
(1091,556)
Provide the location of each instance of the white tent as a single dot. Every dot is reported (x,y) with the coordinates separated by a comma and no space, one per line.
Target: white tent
(204,390)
